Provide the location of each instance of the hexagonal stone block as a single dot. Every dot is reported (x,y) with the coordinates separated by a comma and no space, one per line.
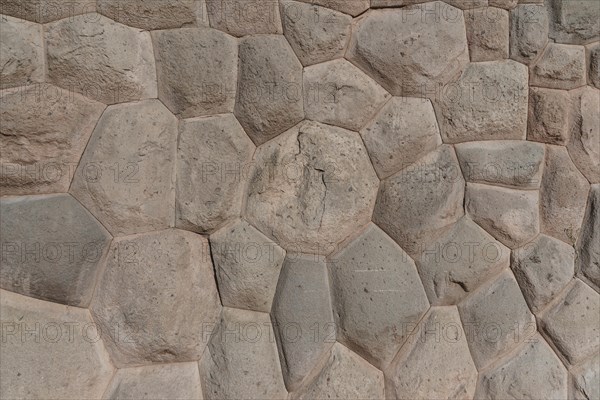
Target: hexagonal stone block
(311,187)
(588,244)
(593,61)
(50,350)
(585,381)
(352,7)
(561,66)
(528,32)
(158,292)
(574,21)
(212,166)
(51,247)
(487,33)
(247,266)
(549,116)
(269,93)
(241,360)
(125,176)
(436,363)
(407,54)
(584,141)
(43,11)
(488,102)
(55,126)
(248,17)
(421,200)
(403,131)
(338,93)
(21,52)
(152,14)
(196,71)
(376,294)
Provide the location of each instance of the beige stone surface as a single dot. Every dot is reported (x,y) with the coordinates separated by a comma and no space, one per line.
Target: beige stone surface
(560,66)
(487,33)
(588,244)
(43,11)
(248,17)
(21,52)
(153,14)
(574,22)
(549,116)
(593,60)
(585,381)
(352,7)
(584,135)
(528,32)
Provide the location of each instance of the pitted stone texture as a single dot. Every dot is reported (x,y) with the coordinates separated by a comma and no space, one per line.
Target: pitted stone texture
(45,130)
(507,4)
(585,381)
(269,93)
(241,360)
(197,71)
(584,143)
(316,34)
(125,177)
(158,291)
(340,94)
(487,33)
(437,363)
(405,53)
(588,244)
(543,268)
(352,7)
(421,200)
(549,115)
(563,196)
(488,102)
(561,66)
(43,11)
(47,351)
(510,215)
(101,59)
(534,372)
(456,263)
(377,293)
(402,132)
(247,266)
(344,376)
(573,322)
(212,165)
(152,14)
(311,188)
(593,60)
(248,17)
(528,32)
(167,381)
(302,316)
(515,163)
(21,52)
(574,21)
(51,248)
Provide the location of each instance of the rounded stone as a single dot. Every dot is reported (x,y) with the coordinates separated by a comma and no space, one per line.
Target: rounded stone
(21,52)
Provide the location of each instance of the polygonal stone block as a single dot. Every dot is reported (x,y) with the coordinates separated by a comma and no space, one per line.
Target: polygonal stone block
(585,379)
(574,21)
(152,14)
(528,32)
(588,244)
(549,116)
(352,7)
(560,66)
(584,135)
(248,17)
(487,33)
(44,11)
(593,63)
(21,52)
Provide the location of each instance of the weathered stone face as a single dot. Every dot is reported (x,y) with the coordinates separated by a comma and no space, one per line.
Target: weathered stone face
(352,7)
(528,32)
(21,52)
(487,33)
(241,18)
(153,14)
(585,379)
(549,116)
(560,66)
(593,59)
(43,11)
(574,21)
(588,244)
(584,135)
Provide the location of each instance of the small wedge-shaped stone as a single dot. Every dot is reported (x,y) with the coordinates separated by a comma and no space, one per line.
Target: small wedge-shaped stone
(125,177)
(247,266)
(510,215)
(338,93)
(514,163)
(269,93)
(196,70)
(352,7)
(543,268)
(50,350)
(377,295)
(437,363)
(21,52)
(44,132)
(574,21)
(241,360)
(573,322)
(528,32)
(593,60)
(43,11)
(157,298)
(152,14)
(584,140)
(404,131)
(561,66)
(585,381)
(248,17)
(588,244)
(213,156)
(549,116)
(487,33)
(101,59)
(488,102)
(51,248)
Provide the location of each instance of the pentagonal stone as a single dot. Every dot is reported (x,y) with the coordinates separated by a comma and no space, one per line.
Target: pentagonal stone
(548,118)
(510,215)
(402,132)
(316,34)
(101,59)
(344,376)
(152,14)
(573,322)
(50,350)
(302,316)
(543,268)
(21,52)
(213,155)
(593,60)
(563,196)
(51,247)
(352,7)
(584,143)
(196,70)
(167,381)
(574,21)
(488,102)
(585,381)
(588,244)
(505,162)
(406,53)
(269,94)
(456,263)
(561,66)
(487,33)
(377,294)
(338,93)
(534,372)
(241,360)
(528,32)
(311,187)
(125,177)
(436,364)
(421,200)
(247,266)
(43,11)
(157,298)
(44,132)
(248,17)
